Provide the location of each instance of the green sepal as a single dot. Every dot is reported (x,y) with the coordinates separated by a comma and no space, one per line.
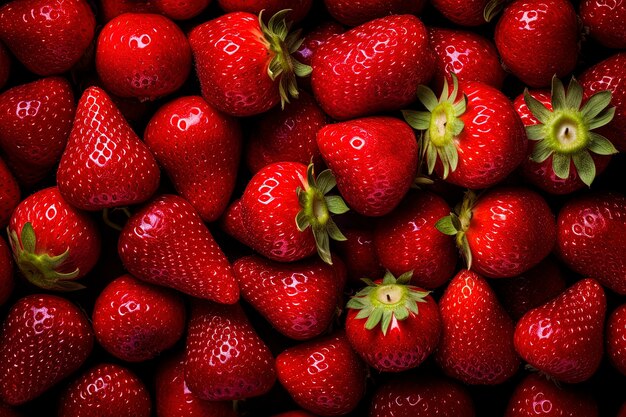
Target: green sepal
(446,225)
(561,164)
(585,167)
(457,223)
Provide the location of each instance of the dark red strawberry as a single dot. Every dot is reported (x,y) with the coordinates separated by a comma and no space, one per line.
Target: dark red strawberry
(110,9)
(105,164)
(181,10)
(6,272)
(604,21)
(199,148)
(467,12)
(225,358)
(9,194)
(564,337)
(324,376)
(53,243)
(359,255)
(142,55)
(166,243)
(5,65)
(372,68)
(476,344)
(35,124)
(106,390)
(298,8)
(616,338)
(47,36)
(44,339)
(353,13)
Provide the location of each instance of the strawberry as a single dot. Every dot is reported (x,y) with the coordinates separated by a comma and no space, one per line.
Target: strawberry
(603,21)
(165,243)
(298,8)
(9,194)
(372,176)
(324,376)
(409,321)
(476,344)
(563,338)
(245,66)
(6,272)
(47,36)
(53,243)
(199,149)
(407,240)
(591,238)
(44,339)
(5,65)
(359,255)
(503,232)
(467,12)
(106,390)
(142,55)
(298,299)
(616,338)
(105,164)
(35,124)
(537,39)
(472,135)
(225,358)
(181,10)
(352,13)
(372,68)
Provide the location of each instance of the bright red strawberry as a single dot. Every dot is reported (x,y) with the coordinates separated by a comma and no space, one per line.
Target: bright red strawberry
(476,344)
(353,13)
(616,338)
(245,67)
(604,21)
(44,339)
(5,65)
(324,376)
(110,9)
(564,337)
(6,272)
(9,194)
(225,358)
(105,390)
(467,12)
(105,164)
(503,232)
(181,10)
(35,124)
(142,55)
(166,243)
(591,238)
(199,148)
(298,8)
(359,255)
(407,240)
(372,68)
(53,243)
(47,36)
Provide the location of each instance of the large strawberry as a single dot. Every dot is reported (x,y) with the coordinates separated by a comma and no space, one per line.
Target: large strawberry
(604,21)
(564,337)
(53,243)
(105,164)
(44,339)
(199,149)
(6,272)
(372,68)
(616,338)
(9,194)
(298,8)
(353,13)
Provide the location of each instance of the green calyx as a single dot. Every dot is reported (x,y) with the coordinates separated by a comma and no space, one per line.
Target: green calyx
(492,9)
(40,269)
(381,302)
(457,224)
(440,124)
(318,208)
(565,133)
(283,65)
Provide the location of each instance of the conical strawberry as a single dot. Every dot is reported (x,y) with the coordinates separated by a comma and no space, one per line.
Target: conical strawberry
(616,338)
(9,194)
(6,272)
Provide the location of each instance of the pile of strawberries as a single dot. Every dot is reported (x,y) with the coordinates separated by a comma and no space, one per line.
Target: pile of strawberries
(313,208)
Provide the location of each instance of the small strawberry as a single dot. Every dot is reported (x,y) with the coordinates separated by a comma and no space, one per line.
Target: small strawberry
(298,8)
(110,9)
(181,10)
(476,344)
(359,255)
(604,21)
(9,194)
(199,148)
(353,13)
(616,338)
(5,65)
(44,339)
(105,390)
(6,272)
(467,12)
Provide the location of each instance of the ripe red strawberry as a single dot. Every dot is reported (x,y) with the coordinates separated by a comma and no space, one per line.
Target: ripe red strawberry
(53,243)
(142,55)
(352,13)
(407,240)
(181,10)
(165,243)
(5,65)
(324,376)
(472,135)
(537,39)
(245,67)
(110,9)
(604,21)
(467,12)
(298,8)
(47,36)
(6,272)
(564,337)
(591,238)
(44,339)
(503,232)
(225,358)
(105,164)
(199,148)
(106,390)
(616,338)
(476,344)
(372,68)
(35,124)
(359,255)
(372,176)
(9,194)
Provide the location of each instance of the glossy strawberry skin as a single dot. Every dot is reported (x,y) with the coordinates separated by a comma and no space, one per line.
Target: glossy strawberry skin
(106,390)
(616,338)
(199,148)
(299,8)
(564,337)
(476,344)
(181,10)
(9,194)
(47,36)
(355,75)
(359,255)
(6,272)
(33,356)
(604,21)
(352,13)
(462,12)
(5,65)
